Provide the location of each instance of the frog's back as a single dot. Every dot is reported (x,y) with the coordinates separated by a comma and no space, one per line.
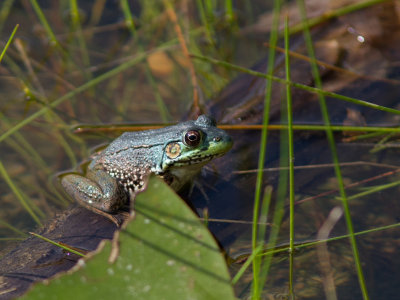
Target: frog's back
(136,150)
(148,138)
(144,138)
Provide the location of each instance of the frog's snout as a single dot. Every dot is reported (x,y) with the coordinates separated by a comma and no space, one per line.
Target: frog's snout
(224,142)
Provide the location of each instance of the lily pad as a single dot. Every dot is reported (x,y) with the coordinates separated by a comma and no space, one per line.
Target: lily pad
(164,253)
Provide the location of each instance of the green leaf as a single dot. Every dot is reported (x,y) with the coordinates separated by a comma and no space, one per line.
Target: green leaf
(164,253)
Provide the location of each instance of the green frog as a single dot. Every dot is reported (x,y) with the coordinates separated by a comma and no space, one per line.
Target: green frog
(175,153)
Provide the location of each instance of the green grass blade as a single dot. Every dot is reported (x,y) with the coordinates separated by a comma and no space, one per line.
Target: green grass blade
(12,228)
(57,244)
(76,21)
(8,42)
(80,89)
(18,194)
(373,190)
(247,264)
(291,159)
(261,231)
(334,14)
(256,289)
(210,7)
(332,239)
(162,107)
(205,20)
(298,85)
(46,25)
(129,22)
(261,252)
(229,10)
(3,171)
(332,145)
(263,219)
(258,235)
(281,196)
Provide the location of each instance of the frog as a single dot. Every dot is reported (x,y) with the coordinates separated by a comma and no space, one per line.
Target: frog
(118,173)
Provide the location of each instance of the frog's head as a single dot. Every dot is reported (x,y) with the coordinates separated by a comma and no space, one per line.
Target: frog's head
(200,141)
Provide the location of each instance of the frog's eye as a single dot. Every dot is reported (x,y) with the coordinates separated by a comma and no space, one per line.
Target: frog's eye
(192,138)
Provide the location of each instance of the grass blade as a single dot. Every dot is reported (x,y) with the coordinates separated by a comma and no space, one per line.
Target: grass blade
(332,145)
(256,293)
(291,159)
(162,107)
(18,194)
(315,90)
(8,42)
(80,89)
(46,25)
(334,14)
(57,244)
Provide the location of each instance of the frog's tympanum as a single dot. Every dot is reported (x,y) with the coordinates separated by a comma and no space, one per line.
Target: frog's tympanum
(176,153)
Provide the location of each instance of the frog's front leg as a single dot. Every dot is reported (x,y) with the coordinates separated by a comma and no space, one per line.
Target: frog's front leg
(97,191)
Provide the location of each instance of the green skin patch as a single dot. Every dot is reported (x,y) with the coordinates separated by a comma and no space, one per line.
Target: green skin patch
(176,153)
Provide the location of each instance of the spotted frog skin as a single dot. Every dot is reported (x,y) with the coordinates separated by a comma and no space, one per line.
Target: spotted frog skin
(176,153)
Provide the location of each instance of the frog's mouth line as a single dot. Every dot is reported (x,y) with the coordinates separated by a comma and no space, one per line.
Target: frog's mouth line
(195,160)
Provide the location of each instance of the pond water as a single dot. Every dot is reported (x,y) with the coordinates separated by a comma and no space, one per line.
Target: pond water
(154,85)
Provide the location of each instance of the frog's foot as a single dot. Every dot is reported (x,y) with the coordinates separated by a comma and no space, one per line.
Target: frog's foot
(113,218)
(97,192)
(118,219)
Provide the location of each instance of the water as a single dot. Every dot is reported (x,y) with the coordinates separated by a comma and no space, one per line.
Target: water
(35,73)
